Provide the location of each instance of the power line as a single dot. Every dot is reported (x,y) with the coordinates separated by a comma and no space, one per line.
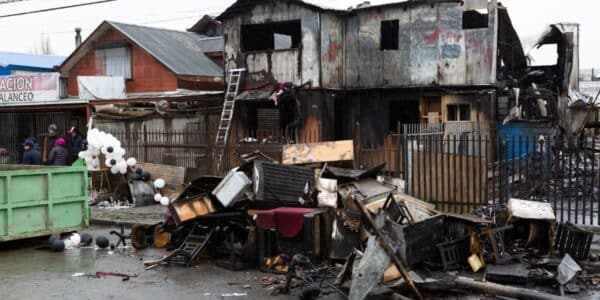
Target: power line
(54,8)
(11,1)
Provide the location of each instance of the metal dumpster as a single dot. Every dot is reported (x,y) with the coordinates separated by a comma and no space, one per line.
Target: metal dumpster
(39,200)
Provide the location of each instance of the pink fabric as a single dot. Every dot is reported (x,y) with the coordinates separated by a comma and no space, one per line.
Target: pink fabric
(286,220)
(60,142)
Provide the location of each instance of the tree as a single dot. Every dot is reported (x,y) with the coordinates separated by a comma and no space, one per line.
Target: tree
(43,46)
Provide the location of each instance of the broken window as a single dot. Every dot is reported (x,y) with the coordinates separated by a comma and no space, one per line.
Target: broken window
(544,55)
(475,19)
(389,35)
(458,112)
(114,62)
(271,36)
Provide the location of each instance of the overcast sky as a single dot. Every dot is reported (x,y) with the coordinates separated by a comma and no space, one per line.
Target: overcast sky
(24,33)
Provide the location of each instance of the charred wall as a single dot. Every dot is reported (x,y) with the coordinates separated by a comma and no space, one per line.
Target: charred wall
(295,65)
(433,48)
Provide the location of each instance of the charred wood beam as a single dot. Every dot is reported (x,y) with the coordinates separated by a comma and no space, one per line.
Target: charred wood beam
(504,290)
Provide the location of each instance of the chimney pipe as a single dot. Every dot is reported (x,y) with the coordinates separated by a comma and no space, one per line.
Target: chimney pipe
(77,37)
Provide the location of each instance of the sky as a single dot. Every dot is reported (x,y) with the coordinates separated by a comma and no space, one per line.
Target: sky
(26,33)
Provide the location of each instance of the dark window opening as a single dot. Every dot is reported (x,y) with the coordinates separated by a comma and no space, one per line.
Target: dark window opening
(544,55)
(473,19)
(405,112)
(458,112)
(389,35)
(271,36)
(264,120)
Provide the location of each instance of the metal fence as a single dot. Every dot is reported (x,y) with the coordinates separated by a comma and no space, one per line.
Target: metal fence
(460,173)
(169,147)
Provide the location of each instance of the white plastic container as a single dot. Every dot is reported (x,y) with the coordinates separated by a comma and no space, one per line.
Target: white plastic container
(232,187)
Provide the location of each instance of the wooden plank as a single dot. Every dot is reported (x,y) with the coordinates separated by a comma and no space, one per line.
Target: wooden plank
(171,174)
(318,152)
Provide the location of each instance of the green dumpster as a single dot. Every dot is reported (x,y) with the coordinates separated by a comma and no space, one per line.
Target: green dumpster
(39,200)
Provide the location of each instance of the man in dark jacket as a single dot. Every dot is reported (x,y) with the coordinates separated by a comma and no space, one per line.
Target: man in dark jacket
(31,156)
(76,143)
(49,142)
(58,156)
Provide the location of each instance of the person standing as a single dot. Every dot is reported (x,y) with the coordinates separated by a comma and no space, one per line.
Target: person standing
(49,142)
(58,156)
(31,156)
(76,143)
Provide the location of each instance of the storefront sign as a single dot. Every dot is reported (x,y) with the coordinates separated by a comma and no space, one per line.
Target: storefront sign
(29,88)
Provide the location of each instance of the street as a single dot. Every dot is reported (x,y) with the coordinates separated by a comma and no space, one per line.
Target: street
(30,273)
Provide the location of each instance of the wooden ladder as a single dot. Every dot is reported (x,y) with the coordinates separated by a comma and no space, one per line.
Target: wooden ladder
(233,87)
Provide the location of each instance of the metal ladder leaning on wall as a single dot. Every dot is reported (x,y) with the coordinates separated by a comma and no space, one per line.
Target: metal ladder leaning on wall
(233,87)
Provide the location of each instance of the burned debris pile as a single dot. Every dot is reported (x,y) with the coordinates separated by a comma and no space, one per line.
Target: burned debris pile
(317,226)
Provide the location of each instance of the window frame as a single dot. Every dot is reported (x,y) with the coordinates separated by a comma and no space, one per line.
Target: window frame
(391,28)
(101,59)
(458,112)
(270,30)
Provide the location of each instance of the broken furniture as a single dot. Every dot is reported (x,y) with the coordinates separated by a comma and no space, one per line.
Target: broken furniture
(186,209)
(282,184)
(444,234)
(534,223)
(454,253)
(231,188)
(347,175)
(188,251)
(123,237)
(496,238)
(573,240)
(292,230)
(346,233)
(368,190)
(239,249)
(141,235)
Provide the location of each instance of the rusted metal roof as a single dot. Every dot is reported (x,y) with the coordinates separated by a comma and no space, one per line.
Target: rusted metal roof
(180,51)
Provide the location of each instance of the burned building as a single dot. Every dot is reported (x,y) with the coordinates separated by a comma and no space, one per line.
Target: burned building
(407,62)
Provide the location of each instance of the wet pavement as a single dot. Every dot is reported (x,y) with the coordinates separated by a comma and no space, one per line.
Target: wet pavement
(30,273)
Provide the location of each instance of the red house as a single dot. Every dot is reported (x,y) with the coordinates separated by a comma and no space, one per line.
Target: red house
(141,80)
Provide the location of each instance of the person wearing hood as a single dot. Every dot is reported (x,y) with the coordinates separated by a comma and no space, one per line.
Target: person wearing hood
(76,143)
(49,142)
(31,156)
(58,156)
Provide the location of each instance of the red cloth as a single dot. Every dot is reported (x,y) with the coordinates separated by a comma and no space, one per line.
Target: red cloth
(286,220)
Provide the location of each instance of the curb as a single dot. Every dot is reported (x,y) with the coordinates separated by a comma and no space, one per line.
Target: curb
(114,223)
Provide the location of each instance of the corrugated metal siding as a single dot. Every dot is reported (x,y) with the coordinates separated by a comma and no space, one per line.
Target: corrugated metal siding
(285,66)
(424,54)
(299,65)
(433,47)
(452,66)
(351,70)
(332,51)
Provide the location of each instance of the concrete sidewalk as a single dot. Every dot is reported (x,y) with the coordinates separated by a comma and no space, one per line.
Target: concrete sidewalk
(147,215)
